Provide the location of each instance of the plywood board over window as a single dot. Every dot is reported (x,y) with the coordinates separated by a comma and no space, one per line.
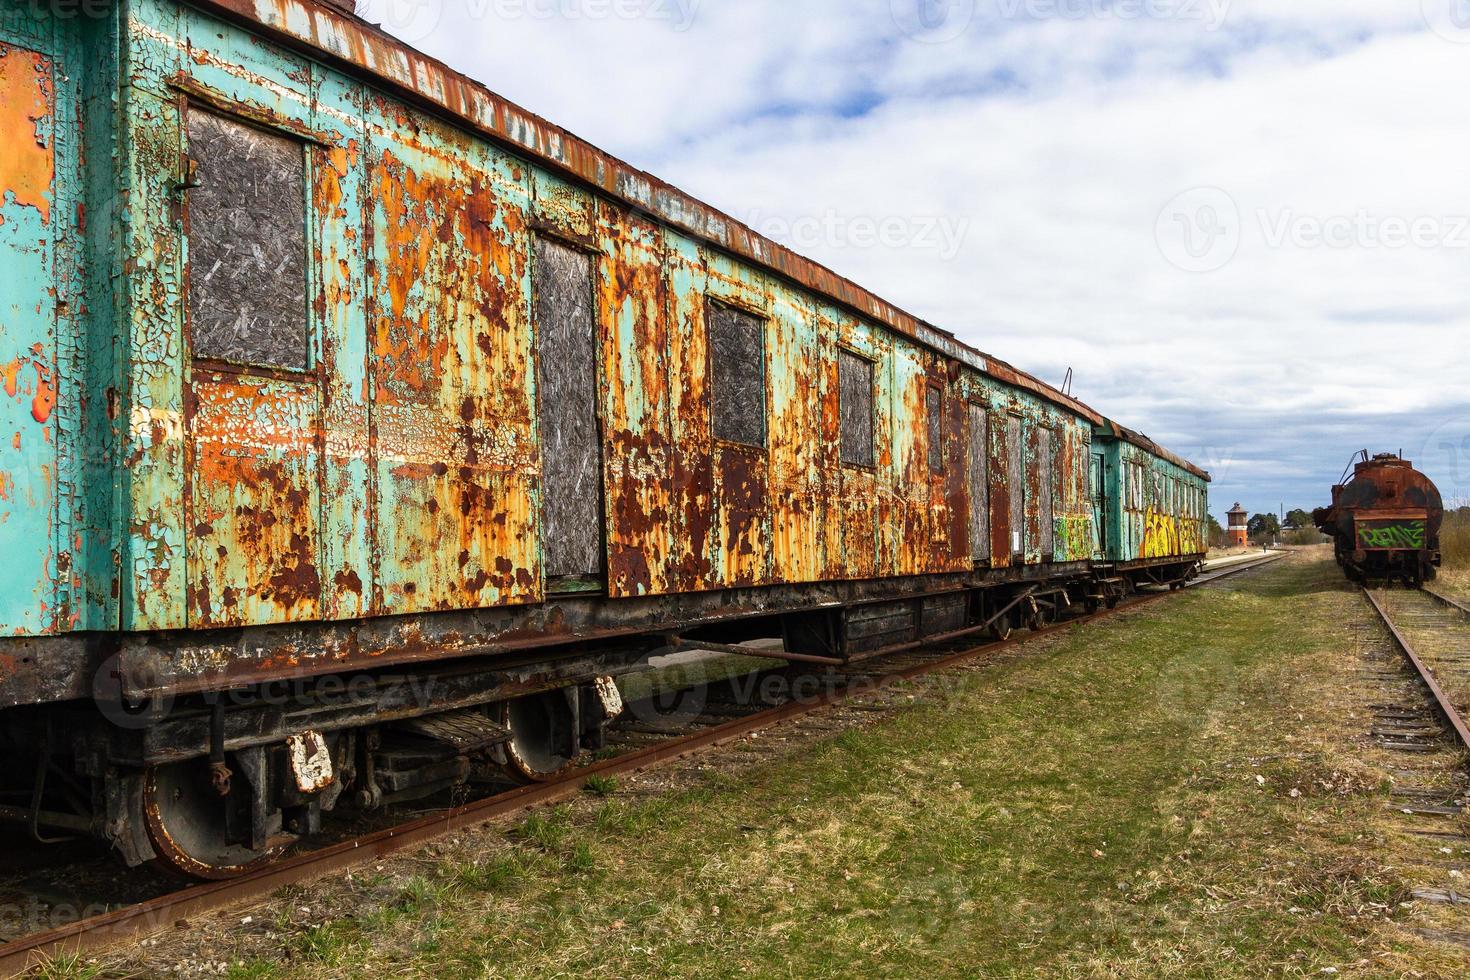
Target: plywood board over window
(247,244)
(737,351)
(571,451)
(856,407)
(979,482)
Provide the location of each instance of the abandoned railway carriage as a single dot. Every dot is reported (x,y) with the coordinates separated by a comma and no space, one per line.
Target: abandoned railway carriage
(358,427)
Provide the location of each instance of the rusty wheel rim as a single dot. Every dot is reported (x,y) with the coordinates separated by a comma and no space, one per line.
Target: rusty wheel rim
(187,828)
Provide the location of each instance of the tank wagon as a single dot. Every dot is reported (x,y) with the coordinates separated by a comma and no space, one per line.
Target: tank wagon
(359,428)
(1384,522)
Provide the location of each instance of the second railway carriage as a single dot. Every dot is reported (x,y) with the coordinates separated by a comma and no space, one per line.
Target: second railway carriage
(359,427)
(1150,509)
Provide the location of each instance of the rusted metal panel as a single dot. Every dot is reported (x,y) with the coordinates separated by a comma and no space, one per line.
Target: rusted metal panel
(571,446)
(954,539)
(255,502)
(638,453)
(340,310)
(798,509)
(1046,503)
(29,212)
(905,530)
(360,48)
(1014,454)
(457,465)
(247,244)
(696,565)
(563,209)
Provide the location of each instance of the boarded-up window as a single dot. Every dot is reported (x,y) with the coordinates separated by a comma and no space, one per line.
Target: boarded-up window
(979,483)
(935,409)
(1045,489)
(247,245)
(570,444)
(737,353)
(856,405)
(1016,481)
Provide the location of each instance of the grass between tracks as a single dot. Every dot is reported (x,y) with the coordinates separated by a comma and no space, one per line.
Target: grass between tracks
(1169,793)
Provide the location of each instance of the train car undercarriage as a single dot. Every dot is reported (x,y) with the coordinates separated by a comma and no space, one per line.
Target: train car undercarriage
(215,783)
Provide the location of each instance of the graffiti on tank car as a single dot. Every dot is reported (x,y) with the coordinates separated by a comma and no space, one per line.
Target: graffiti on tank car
(1398,536)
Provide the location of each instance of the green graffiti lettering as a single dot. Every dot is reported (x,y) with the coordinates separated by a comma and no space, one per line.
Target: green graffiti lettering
(1408,536)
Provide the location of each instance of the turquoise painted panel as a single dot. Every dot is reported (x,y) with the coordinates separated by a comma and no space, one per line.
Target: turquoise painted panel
(33,196)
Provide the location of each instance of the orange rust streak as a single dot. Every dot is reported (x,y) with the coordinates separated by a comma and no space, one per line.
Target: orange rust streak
(45,401)
(27,165)
(11,373)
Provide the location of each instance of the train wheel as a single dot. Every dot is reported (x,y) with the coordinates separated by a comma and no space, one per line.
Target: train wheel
(544,742)
(189,823)
(1003,628)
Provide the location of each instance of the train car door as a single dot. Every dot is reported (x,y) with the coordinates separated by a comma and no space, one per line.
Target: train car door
(1098,488)
(571,444)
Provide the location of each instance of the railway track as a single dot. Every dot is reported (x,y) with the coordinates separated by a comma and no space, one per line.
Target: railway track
(722,716)
(1420,698)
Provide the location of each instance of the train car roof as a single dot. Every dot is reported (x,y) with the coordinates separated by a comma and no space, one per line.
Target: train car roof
(1112,430)
(328,30)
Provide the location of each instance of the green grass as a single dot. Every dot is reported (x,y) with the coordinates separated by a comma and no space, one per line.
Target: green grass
(1175,792)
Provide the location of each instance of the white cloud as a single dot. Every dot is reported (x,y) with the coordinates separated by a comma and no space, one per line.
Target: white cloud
(1054,143)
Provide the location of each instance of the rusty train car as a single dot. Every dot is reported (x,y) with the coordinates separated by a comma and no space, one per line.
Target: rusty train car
(1384,522)
(361,427)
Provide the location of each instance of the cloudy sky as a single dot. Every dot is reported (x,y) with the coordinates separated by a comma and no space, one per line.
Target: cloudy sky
(1243,224)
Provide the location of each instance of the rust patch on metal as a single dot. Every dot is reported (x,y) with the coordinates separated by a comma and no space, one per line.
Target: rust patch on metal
(27,103)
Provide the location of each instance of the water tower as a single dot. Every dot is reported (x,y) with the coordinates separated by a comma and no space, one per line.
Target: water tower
(1239,532)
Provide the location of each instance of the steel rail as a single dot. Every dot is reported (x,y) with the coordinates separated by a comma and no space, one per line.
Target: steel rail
(166,911)
(1445,600)
(1442,702)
